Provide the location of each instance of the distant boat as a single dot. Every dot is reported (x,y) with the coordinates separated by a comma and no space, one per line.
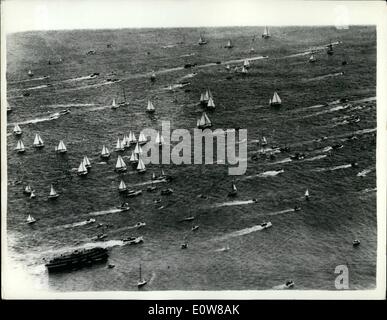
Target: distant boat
(53,194)
(120,165)
(229,45)
(20,147)
(233,191)
(289,284)
(32,195)
(17,131)
(125,102)
(159,139)
(263,141)
(244,70)
(132,138)
(266,34)
(119,146)
(266,225)
(203,100)
(38,142)
(153,76)
(246,63)
(142,139)
(330,49)
(355,243)
(204,122)
(141,282)
(86,161)
(307,194)
(211,104)
(122,186)
(150,108)
(312,58)
(141,166)
(61,148)
(133,158)
(30,73)
(30,219)
(194,228)
(82,170)
(228,68)
(126,141)
(202,41)
(114,104)
(138,149)
(27,190)
(276,101)
(105,154)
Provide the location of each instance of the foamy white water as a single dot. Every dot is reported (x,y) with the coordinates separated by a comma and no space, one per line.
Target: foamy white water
(101,213)
(75,224)
(364,172)
(239,233)
(344,166)
(232,203)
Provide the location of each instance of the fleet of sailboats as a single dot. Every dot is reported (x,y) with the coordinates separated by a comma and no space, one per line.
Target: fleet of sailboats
(38,142)
(276,101)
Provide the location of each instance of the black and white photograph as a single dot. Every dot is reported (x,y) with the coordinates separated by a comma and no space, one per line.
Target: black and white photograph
(193,149)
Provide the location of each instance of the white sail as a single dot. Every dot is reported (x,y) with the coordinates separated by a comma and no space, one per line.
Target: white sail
(141,165)
(142,138)
(105,151)
(122,185)
(30,219)
(234,188)
(20,146)
(28,189)
(134,139)
(61,147)
(159,139)
(211,103)
(307,193)
(312,58)
(114,105)
(264,141)
(206,95)
(119,145)
(52,191)
(206,119)
(86,161)
(17,129)
(82,167)
(120,163)
(276,98)
(130,138)
(246,63)
(150,106)
(38,141)
(266,32)
(138,149)
(133,157)
(244,70)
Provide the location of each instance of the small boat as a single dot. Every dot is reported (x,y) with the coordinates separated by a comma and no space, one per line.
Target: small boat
(30,73)
(120,165)
(228,68)
(61,148)
(122,186)
(203,100)
(17,131)
(266,34)
(194,228)
(166,192)
(53,194)
(151,188)
(91,220)
(190,218)
(263,142)
(114,104)
(105,154)
(210,104)
(9,109)
(159,139)
(266,225)
(330,49)
(337,146)
(134,193)
(184,245)
(297,208)
(150,107)
(82,170)
(64,111)
(355,243)
(38,142)
(156,201)
(30,219)
(153,76)
(142,139)
(244,70)
(140,224)
(111,266)
(202,41)
(233,191)
(32,195)
(141,282)
(124,206)
(138,149)
(99,237)
(276,101)
(289,284)
(204,122)
(133,158)
(119,146)
(86,161)
(307,194)
(229,45)
(246,64)
(20,147)
(132,138)
(312,58)
(141,166)
(27,190)
(133,240)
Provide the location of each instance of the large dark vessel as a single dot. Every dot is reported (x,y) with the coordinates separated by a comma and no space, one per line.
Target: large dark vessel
(77,259)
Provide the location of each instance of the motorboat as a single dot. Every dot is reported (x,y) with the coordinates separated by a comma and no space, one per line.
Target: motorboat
(266,225)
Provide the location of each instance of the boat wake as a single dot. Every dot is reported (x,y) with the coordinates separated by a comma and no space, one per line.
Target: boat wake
(232,203)
(28,80)
(325,76)
(73,225)
(51,117)
(321,156)
(265,174)
(104,212)
(239,233)
(364,172)
(344,166)
(278,212)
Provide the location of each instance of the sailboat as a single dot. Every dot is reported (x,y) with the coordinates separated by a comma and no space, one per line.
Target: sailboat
(38,142)
(263,142)
(153,76)
(114,104)
(204,122)
(20,147)
(141,282)
(142,139)
(32,195)
(229,45)
(211,104)
(202,41)
(27,189)
(105,154)
(159,139)
(120,165)
(150,108)
(276,101)
(244,70)
(82,171)
(133,158)
(207,95)
(141,166)
(307,194)
(203,100)
(17,131)
(246,63)
(122,186)
(312,58)
(138,149)
(233,191)
(266,34)
(228,68)
(132,138)
(53,194)
(61,148)
(30,73)
(30,219)
(119,146)
(87,163)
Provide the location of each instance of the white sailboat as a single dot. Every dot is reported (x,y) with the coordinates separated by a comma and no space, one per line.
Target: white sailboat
(20,147)
(150,108)
(307,194)
(53,194)
(159,139)
(138,149)
(202,40)
(27,189)
(263,141)
(122,186)
(229,45)
(266,34)
(30,219)
(203,99)
(244,70)
(276,101)
(132,138)
(312,58)
(17,131)
(120,165)
(38,142)
(61,148)
(228,68)
(114,104)
(233,191)
(141,282)
(141,166)
(119,146)
(142,139)
(32,195)
(30,73)
(246,63)
(86,161)
(211,104)
(153,76)
(133,158)
(82,171)
(105,152)
(204,122)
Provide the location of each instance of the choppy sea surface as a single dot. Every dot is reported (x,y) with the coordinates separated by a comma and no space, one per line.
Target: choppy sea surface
(229,251)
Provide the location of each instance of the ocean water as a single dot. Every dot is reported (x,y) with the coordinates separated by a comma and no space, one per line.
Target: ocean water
(304,246)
